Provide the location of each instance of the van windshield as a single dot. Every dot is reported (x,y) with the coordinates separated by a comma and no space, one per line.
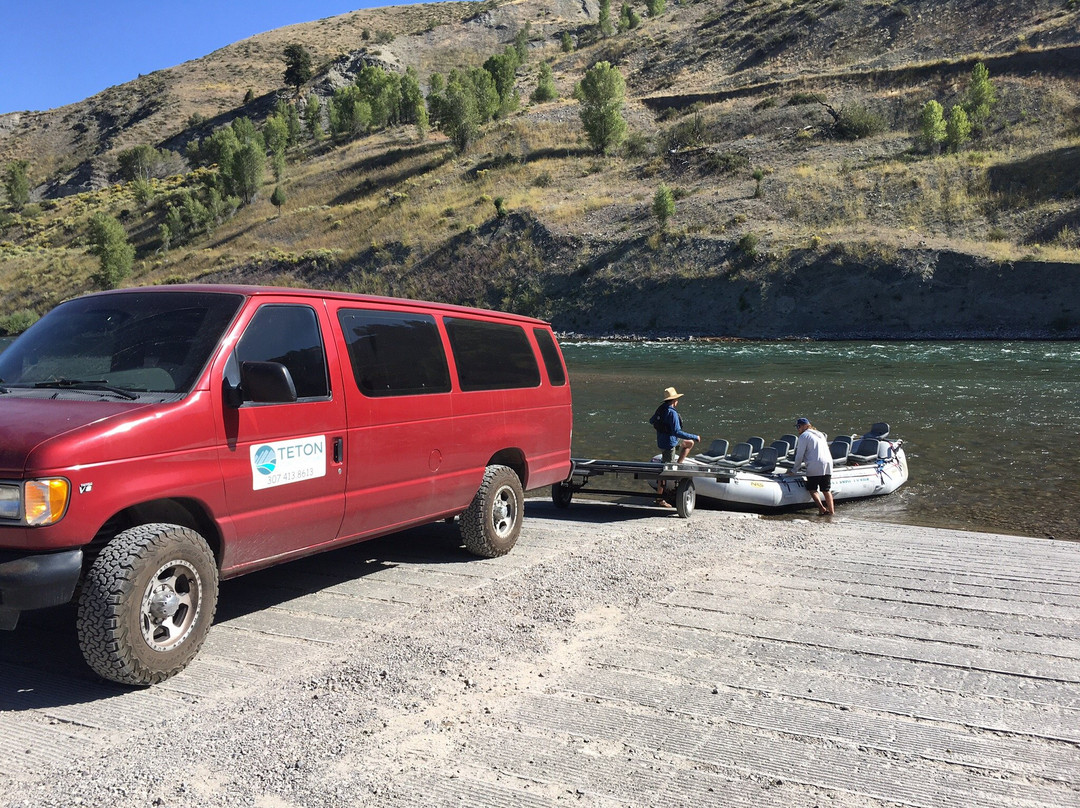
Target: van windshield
(122,344)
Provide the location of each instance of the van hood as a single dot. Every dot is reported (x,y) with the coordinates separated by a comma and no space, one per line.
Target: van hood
(26,423)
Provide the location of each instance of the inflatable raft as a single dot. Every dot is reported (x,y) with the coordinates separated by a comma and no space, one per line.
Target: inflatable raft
(753,476)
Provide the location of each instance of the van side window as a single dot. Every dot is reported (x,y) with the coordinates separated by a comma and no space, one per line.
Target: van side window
(550,354)
(289,335)
(491,356)
(395,353)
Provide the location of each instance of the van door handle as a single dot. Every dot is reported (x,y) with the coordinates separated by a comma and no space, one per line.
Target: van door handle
(338,446)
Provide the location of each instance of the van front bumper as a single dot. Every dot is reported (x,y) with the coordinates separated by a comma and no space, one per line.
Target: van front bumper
(36,582)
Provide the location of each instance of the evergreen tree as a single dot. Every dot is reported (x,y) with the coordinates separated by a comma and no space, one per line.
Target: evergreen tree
(313,117)
(139,162)
(628,18)
(277,199)
(461,117)
(484,93)
(655,7)
(566,42)
(291,116)
(663,205)
(244,129)
(413,108)
(958,128)
(545,85)
(981,95)
(436,99)
(17,184)
(276,134)
(503,68)
(247,170)
(109,243)
(381,90)
(604,22)
(350,114)
(602,93)
(932,126)
(521,43)
(298,71)
(219,147)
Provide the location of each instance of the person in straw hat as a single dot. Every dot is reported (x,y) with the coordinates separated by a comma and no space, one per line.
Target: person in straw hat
(673,442)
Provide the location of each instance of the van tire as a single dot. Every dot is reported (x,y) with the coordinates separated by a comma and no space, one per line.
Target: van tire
(147,603)
(491,524)
(561,495)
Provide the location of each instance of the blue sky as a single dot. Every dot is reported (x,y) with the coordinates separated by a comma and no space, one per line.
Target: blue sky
(56,52)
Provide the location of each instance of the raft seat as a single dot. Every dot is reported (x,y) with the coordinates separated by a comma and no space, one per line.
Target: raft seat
(717,450)
(756,443)
(839,450)
(741,455)
(865,451)
(783,448)
(792,441)
(765,462)
(879,430)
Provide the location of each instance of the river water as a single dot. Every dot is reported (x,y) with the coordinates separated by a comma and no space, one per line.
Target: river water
(989,427)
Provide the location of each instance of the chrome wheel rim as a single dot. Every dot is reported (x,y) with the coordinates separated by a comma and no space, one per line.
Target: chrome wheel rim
(504,512)
(170,605)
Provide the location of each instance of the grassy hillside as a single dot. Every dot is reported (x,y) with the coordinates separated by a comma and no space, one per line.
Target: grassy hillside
(734,104)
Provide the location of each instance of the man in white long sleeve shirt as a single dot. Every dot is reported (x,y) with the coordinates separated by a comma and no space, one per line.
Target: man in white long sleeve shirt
(813,449)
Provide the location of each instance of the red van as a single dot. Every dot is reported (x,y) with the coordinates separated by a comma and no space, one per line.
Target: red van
(156,440)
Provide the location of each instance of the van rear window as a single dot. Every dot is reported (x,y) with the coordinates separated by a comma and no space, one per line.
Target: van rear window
(550,354)
(491,356)
(395,353)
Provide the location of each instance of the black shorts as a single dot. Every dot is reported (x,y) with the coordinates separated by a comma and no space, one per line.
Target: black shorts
(824,482)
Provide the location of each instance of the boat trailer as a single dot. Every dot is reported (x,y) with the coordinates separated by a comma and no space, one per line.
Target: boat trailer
(582,472)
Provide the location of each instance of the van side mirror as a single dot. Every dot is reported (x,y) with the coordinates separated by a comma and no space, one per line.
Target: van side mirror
(262,383)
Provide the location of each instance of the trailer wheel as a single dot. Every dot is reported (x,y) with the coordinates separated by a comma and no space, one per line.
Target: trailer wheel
(561,494)
(147,603)
(491,524)
(685,497)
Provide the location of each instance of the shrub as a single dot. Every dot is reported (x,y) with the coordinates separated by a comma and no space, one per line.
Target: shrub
(748,245)
(663,205)
(636,145)
(805,97)
(726,162)
(17,322)
(857,121)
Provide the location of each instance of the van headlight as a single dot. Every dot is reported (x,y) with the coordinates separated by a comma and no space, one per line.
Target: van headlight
(35,502)
(10,502)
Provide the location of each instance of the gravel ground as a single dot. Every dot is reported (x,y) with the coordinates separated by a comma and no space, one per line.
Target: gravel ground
(619,656)
(332,732)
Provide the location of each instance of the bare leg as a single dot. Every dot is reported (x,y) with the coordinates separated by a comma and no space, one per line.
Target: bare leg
(687,445)
(816,496)
(829,502)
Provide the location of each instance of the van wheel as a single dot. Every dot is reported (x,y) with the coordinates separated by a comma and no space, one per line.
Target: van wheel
(147,603)
(561,495)
(492,522)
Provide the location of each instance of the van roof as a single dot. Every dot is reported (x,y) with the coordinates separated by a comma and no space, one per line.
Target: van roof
(262,291)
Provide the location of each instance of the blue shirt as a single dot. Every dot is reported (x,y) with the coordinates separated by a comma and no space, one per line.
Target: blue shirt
(669,427)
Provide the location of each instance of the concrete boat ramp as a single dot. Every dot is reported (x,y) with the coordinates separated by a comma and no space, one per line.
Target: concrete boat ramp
(619,656)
